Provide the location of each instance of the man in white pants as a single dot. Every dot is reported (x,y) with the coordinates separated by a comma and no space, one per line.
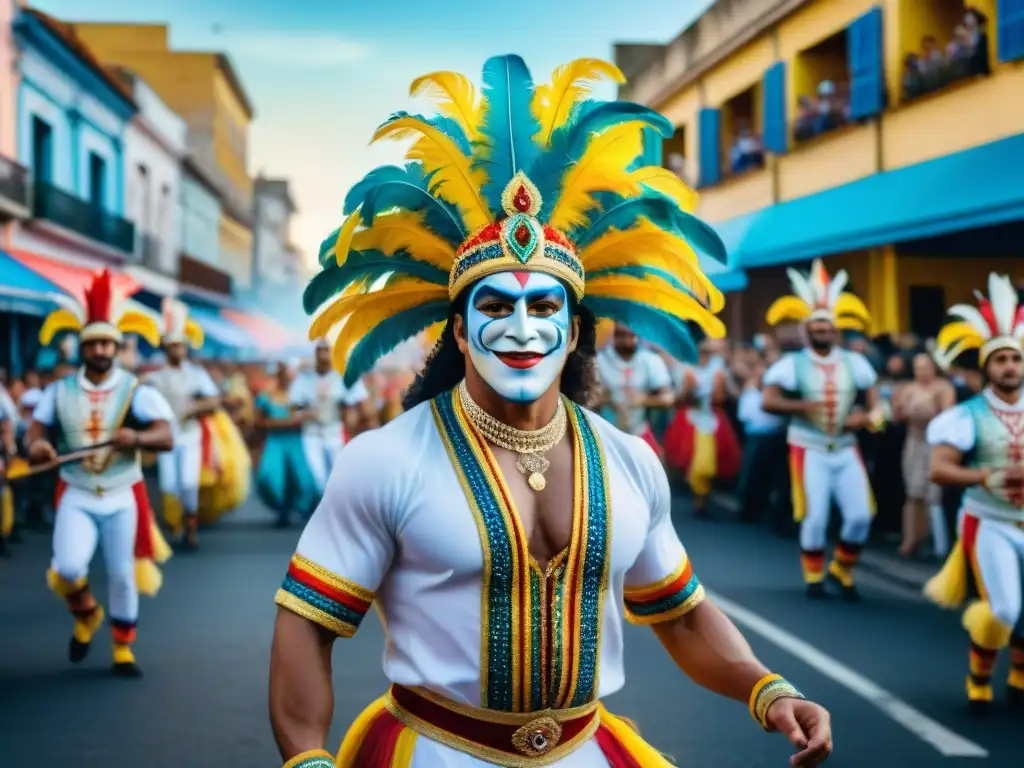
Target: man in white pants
(101,497)
(191,393)
(979,445)
(819,388)
(328,408)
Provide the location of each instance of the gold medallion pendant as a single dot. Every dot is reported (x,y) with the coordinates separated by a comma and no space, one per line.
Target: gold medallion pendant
(537,481)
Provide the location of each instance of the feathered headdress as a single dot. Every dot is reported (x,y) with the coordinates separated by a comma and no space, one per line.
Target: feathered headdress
(996,323)
(520,177)
(104,315)
(818,297)
(178,327)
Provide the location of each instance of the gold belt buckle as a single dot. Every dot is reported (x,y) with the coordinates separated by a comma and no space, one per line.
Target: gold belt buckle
(537,737)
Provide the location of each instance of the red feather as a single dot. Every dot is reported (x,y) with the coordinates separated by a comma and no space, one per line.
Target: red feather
(99,298)
(1019,319)
(985,307)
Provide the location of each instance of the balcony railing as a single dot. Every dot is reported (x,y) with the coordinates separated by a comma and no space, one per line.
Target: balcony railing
(83,217)
(14,185)
(151,249)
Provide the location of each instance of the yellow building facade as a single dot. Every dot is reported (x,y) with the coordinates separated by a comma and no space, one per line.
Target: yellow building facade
(883,195)
(205,90)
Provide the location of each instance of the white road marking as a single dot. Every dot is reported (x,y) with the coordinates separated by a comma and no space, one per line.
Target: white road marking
(948,743)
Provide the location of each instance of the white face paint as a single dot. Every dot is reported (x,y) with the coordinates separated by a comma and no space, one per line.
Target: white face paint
(517,327)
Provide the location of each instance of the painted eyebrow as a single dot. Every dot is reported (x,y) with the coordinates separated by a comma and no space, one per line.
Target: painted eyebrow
(488,293)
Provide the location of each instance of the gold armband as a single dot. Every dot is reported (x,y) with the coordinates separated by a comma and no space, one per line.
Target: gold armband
(314,758)
(766,692)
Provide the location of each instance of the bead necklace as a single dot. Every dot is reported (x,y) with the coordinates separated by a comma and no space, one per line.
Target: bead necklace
(528,445)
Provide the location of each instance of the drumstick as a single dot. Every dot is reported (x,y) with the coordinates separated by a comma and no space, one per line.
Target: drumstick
(22,471)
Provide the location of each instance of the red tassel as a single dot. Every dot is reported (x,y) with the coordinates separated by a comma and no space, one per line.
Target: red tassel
(143,530)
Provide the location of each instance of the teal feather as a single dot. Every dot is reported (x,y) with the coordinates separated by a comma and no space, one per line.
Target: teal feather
(601,117)
(508,125)
(370,265)
(660,210)
(390,186)
(388,335)
(642,271)
(446,125)
(326,253)
(659,328)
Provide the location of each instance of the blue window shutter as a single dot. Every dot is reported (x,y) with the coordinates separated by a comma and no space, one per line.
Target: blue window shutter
(710,146)
(1010,18)
(776,129)
(652,147)
(867,77)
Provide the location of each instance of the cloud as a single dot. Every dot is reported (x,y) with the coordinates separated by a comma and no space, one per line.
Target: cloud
(299,51)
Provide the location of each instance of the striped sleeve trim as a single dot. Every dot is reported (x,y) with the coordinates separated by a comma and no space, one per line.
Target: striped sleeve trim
(674,596)
(314,593)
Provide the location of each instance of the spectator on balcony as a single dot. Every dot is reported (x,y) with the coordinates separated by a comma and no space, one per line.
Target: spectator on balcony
(977,40)
(677,164)
(830,111)
(913,82)
(959,53)
(806,116)
(932,63)
(747,151)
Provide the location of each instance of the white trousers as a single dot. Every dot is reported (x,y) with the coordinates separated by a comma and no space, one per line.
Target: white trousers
(85,520)
(179,469)
(999,552)
(321,449)
(838,475)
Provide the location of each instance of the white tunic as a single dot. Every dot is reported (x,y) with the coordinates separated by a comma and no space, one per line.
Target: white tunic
(642,374)
(182,386)
(395,527)
(325,394)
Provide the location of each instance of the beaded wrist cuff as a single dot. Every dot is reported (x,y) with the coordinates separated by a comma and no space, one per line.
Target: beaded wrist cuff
(314,758)
(766,692)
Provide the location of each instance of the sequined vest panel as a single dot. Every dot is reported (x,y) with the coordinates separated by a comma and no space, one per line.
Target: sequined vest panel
(998,442)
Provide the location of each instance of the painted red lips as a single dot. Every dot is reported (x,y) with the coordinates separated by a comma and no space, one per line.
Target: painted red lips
(520,360)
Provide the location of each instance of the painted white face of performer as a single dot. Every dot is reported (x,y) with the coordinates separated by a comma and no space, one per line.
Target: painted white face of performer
(519,333)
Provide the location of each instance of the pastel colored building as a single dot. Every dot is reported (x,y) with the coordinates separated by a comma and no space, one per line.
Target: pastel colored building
(879,134)
(14,182)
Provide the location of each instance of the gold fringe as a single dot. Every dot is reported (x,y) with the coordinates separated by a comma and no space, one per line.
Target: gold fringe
(984,628)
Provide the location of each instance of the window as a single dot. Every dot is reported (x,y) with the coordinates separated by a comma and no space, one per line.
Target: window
(822,84)
(143,201)
(97,180)
(942,41)
(673,155)
(42,150)
(742,146)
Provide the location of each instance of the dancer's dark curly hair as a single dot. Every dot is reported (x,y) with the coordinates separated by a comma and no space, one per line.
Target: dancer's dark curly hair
(446,365)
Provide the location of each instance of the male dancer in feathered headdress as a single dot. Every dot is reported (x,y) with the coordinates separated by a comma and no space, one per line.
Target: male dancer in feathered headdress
(192,394)
(979,445)
(504,530)
(101,498)
(819,388)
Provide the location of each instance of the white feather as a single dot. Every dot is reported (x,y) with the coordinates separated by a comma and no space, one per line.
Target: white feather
(971,315)
(801,287)
(1003,297)
(836,286)
(71,305)
(174,317)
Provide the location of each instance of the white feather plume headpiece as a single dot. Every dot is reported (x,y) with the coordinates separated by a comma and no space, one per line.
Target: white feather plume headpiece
(996,323)
(177,327)
(818,297)
(104,315)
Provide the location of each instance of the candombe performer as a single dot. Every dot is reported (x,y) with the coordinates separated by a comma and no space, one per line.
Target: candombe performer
(504,530)
(192,394)
(979,445)
(328,409)
(820,388)
(101,499)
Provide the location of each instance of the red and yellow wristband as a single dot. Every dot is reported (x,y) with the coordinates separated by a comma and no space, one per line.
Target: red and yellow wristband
(766,692)
(313,758)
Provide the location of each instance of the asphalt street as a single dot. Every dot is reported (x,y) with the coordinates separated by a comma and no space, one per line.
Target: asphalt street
(889,668)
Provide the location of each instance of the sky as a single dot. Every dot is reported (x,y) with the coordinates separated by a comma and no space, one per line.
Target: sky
(323,74)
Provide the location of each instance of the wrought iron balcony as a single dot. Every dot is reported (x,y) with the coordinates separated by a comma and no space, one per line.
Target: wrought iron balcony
(83,217)
(14,190)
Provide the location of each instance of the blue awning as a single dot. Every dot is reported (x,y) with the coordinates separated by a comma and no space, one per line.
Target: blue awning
(22,290)
(966,190)
(221,331)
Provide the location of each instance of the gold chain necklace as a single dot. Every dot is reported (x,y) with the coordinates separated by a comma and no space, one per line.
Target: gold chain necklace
(528,445)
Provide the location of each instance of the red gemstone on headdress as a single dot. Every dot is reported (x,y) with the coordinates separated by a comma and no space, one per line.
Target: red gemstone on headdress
(522,235)
(521,201)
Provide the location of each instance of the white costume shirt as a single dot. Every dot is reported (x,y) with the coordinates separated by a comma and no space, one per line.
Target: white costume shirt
(836,377)
(702,378)
(395,527)
(182,386)
(958,427)
(642,374)
(8,410)
(325,394)
(750,411)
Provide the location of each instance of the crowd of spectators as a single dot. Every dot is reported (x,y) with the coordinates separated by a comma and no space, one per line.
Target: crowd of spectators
(934,67)
(827,110)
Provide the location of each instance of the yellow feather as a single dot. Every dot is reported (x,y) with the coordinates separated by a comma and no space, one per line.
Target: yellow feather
(605,330)
(657,294)
(344,242)
(601,169)
(850,304)
(951,333)
(788,308)
(455,95)
(195,334)
(667,183)
(337,310)
(370,310)
(453,178)
(552,104)
(57,321)
(850,323)
(432,334)
(404,230)
(141,324)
